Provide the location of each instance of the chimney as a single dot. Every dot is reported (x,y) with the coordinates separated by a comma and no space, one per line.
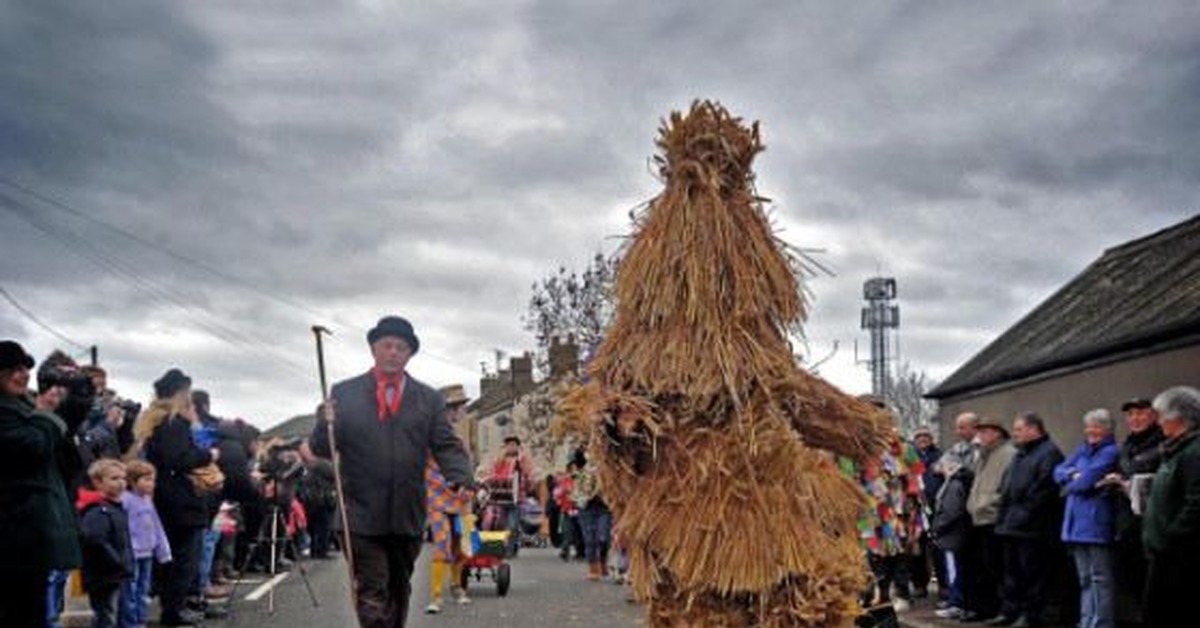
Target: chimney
(486,384)
(522,373)
(564,357)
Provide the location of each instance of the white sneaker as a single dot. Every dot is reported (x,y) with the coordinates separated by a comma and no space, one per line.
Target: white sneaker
(901,605)
(433,609)
(950,612)
(460,597)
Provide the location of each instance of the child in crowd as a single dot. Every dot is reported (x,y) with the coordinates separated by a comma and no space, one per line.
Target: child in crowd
(148,539)
(104,537)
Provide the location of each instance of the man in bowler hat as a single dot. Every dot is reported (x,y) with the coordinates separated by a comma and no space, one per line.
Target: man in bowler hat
(386,424)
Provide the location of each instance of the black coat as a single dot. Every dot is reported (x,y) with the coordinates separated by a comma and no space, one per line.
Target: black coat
(951,522)
(99,442)
(107,549)
(1030,503)
(174,453)
(38,530)
(235,464)
(1140,453)
(383,461)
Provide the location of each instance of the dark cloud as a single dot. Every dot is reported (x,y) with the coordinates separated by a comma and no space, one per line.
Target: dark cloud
(332,162)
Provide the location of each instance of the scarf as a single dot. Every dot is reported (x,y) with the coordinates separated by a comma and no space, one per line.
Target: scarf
(383,381)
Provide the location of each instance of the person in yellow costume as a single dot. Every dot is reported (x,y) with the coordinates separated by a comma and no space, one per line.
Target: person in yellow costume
(443,505)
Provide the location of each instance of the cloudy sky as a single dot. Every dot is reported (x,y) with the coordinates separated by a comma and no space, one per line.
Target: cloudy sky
(196,183)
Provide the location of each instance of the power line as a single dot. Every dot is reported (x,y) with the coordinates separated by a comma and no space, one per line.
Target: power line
(179,257)
(204,319)
(37,321)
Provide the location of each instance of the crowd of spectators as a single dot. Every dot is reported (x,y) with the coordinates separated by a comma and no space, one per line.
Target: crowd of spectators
(165,500)
(1018,534)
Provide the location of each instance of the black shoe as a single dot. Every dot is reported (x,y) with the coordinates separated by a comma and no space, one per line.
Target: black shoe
(1000,620)
(184,618)
(971,617)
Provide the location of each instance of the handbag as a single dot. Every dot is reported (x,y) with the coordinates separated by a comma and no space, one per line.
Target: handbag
(208,479)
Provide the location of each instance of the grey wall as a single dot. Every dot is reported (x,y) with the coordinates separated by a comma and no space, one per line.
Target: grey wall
(1063,400)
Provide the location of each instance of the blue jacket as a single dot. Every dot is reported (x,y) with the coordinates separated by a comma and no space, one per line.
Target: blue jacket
(1091,513)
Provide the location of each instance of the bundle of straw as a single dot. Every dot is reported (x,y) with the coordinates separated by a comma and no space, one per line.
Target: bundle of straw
(714,448)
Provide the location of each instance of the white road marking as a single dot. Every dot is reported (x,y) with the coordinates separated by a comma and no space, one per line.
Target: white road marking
(262,589)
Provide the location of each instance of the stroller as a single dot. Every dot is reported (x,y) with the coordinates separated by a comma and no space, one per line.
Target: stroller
(486,550)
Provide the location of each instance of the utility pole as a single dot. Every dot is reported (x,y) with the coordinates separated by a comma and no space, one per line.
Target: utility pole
(95,351)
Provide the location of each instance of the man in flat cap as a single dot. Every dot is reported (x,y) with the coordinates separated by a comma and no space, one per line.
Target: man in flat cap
(386,425)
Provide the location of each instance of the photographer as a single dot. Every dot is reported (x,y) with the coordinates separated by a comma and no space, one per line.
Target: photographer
(279,472)
(38,532)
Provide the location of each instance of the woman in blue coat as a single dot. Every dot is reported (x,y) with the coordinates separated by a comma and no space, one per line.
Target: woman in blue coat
(1089,525)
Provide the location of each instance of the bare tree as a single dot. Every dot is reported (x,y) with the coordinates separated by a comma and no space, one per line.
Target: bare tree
(565,303)
(906,395)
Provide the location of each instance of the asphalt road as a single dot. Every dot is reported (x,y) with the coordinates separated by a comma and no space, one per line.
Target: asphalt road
(545,592)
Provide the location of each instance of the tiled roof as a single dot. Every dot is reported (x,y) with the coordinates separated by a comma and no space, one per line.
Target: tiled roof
(1140,295)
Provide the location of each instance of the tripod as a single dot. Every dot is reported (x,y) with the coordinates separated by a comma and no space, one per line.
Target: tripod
(268,532)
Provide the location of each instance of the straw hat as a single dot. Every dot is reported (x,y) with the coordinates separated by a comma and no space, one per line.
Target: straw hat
(454,394)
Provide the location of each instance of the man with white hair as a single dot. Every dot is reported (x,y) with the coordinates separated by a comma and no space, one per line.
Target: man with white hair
(1171,531)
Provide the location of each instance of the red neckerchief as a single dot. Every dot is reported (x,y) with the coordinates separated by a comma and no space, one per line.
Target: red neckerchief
(382,381)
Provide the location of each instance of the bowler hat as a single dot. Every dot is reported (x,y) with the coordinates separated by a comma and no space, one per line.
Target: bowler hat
(394,326)
(13,355)
(454,395)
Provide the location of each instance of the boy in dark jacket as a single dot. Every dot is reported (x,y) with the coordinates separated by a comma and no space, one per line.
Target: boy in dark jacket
(104,534)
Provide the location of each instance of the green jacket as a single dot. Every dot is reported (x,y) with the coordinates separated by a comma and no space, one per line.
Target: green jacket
(38,528)
(1172,523)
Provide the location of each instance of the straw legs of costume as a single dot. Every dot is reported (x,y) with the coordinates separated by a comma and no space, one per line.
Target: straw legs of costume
(383,569)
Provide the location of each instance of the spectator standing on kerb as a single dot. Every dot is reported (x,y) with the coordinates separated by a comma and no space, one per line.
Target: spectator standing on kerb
(1028,522)
(387,424)
(984,553)
(104,535)
(1141,454)
(1171,530)
(931,483)
(1089,523)
(42,534)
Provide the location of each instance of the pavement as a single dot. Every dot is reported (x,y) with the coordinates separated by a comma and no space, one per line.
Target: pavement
(545,592)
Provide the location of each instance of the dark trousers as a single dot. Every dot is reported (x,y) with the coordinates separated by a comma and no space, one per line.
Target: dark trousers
(918,567)
(187,544)
(1167,602)
(889,570)
(320,528)
(23,598)
(980,570)
(105,602)
(1131,575)
(1027,563)
(383,568)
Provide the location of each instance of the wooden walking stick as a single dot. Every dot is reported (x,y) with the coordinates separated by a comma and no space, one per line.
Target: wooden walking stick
(347,550)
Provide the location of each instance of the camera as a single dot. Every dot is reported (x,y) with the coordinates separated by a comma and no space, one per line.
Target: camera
(76,383)
(283,467)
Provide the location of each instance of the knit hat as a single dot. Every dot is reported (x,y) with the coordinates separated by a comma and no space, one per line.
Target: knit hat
(13,355)
(170,383)
(394,326)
